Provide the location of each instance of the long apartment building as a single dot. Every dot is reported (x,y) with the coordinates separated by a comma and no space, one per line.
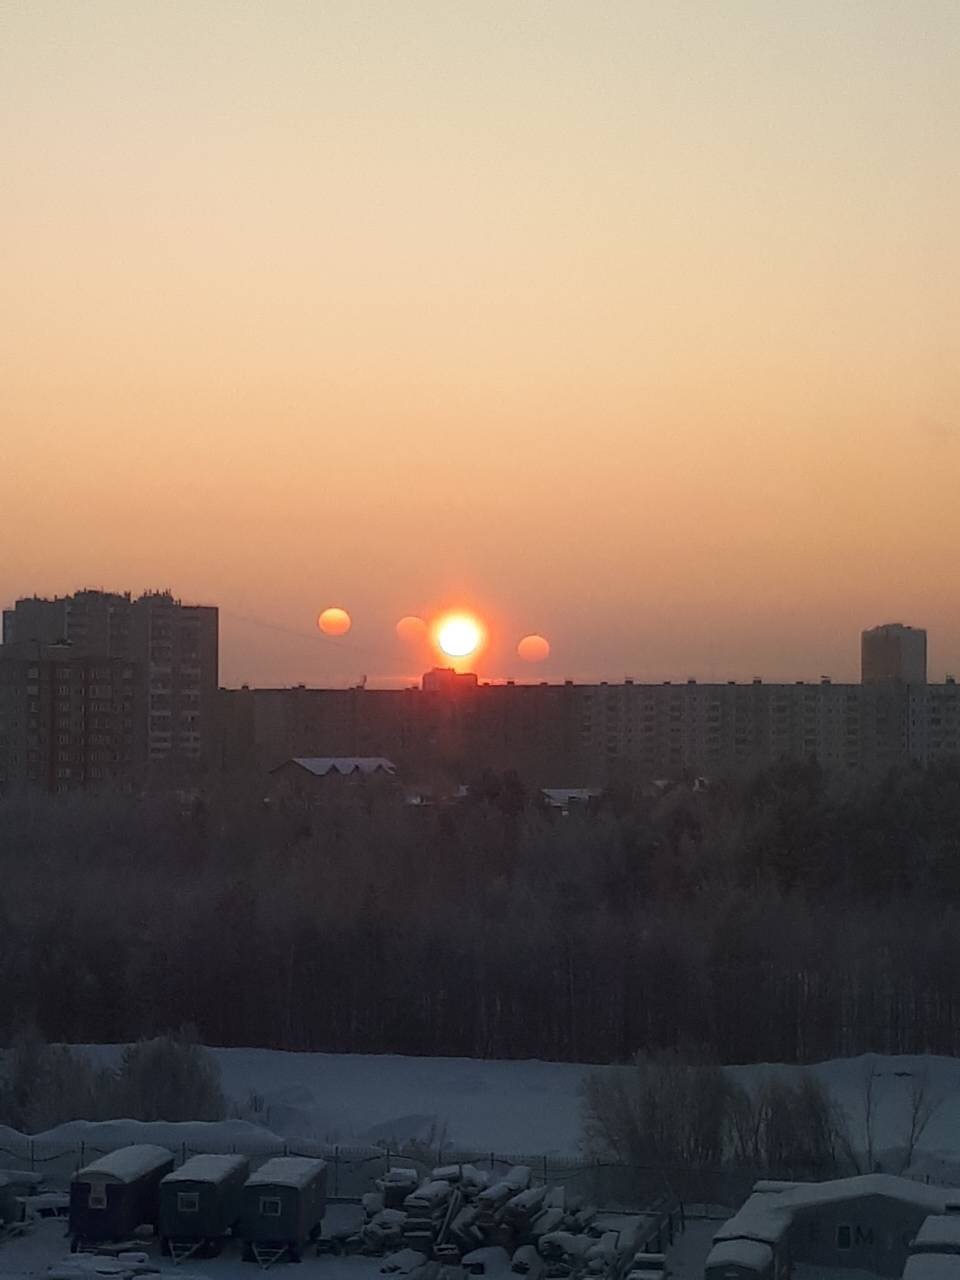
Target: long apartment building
(587,735)
(100,685)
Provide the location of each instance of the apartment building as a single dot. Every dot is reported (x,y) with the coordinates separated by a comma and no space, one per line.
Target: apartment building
(65,721)
(589,735)
(141,672)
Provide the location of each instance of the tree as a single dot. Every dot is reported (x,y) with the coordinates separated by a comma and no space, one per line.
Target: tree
(169,1078)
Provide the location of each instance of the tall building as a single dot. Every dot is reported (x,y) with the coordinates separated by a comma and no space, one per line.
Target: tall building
(893,653)
(150,662)
(65,721)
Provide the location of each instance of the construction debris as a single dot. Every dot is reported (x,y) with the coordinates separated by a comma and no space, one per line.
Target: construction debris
(458,1221)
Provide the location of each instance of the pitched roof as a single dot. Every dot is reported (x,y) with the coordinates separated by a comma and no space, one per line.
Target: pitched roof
(766,1215)
(320,766)
(126,1164)
(286,1171)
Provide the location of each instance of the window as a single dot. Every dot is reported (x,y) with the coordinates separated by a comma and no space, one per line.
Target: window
(844,1237)
(98,1196)
(269,1206)
(188,1202)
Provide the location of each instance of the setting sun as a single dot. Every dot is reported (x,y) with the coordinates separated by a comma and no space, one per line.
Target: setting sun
(459,635)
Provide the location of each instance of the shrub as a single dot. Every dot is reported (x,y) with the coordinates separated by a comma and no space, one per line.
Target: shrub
(169,1078)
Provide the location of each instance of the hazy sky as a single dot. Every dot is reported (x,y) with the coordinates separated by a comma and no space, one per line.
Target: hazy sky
(632,322)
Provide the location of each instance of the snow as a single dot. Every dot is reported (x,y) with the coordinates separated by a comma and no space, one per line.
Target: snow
(363,1100)
(207,1168)
(524,1108)
(932,1266)
(765,1216)
(939,1232)
(28,1257)
(126,1164)
(285,1171)
(740,1253)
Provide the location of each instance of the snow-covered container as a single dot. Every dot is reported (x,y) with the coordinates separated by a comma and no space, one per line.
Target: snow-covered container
(527,1262)
(932,1266)
(283,1204)
(113,1196)
(487,1262)
(739,1260)
(200,1202)
(8,1202)
(940,1233)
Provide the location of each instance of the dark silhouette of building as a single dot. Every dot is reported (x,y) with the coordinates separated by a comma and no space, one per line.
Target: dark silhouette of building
(893,652)
(573,735)
(99,685)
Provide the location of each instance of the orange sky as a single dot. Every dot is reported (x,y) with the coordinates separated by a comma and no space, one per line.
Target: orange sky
(632,324)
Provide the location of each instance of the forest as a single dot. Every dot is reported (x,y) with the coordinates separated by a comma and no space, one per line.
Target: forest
(789,916)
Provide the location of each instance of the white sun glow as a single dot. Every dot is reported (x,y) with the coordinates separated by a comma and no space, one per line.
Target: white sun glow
(459,635)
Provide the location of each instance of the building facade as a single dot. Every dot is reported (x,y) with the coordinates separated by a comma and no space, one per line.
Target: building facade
(893,653)
(99,685)
(573,735)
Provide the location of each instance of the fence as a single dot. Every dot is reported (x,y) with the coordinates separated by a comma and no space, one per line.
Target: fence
(353,1171)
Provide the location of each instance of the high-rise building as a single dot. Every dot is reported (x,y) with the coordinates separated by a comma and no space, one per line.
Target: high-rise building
(160,659)
(893,653)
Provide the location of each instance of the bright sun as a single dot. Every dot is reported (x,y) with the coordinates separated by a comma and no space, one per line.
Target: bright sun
(459,635)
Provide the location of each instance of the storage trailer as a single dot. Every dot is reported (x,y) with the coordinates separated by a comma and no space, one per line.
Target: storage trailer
(115,1195)
(283,1204)
(200,1204)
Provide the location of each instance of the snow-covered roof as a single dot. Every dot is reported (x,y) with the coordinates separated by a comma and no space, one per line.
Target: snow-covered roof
(932,1266)
(320,766)
(767,1214)
(564,795)
(285,1171)
(207,1168)
(402,1262)
(740,1253)
(941,1231)
(126,1164)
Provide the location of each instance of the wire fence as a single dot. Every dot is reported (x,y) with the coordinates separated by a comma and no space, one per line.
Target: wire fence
(353,1171)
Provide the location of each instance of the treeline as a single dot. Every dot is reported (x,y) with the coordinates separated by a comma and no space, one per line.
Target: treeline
(167,1078)
(786,917)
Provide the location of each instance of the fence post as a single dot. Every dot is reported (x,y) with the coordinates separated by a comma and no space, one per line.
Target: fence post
(183,1153)
(31,1156)
(386,1161)
(82,1149)
(546,1175)
(286,1149)
(491,1162)
(336,1171)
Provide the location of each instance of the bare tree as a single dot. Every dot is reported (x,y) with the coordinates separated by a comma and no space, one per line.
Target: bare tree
(857,1145)
(924,1104)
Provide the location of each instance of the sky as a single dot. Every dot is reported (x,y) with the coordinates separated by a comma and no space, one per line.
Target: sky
(631,323)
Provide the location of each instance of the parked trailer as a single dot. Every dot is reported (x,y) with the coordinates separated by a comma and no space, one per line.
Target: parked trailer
(8,1203)
(200,1204)
(283,1204)
(740,1259)
(115,1195)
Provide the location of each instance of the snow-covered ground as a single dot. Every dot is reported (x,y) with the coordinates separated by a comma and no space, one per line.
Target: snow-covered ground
(527,1109)
(28,1258)
(535,1107)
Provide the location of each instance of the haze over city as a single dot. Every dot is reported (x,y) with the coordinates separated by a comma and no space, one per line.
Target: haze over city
(630,325)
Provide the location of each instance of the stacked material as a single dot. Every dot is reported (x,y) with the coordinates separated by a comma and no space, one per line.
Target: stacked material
(458,1216)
